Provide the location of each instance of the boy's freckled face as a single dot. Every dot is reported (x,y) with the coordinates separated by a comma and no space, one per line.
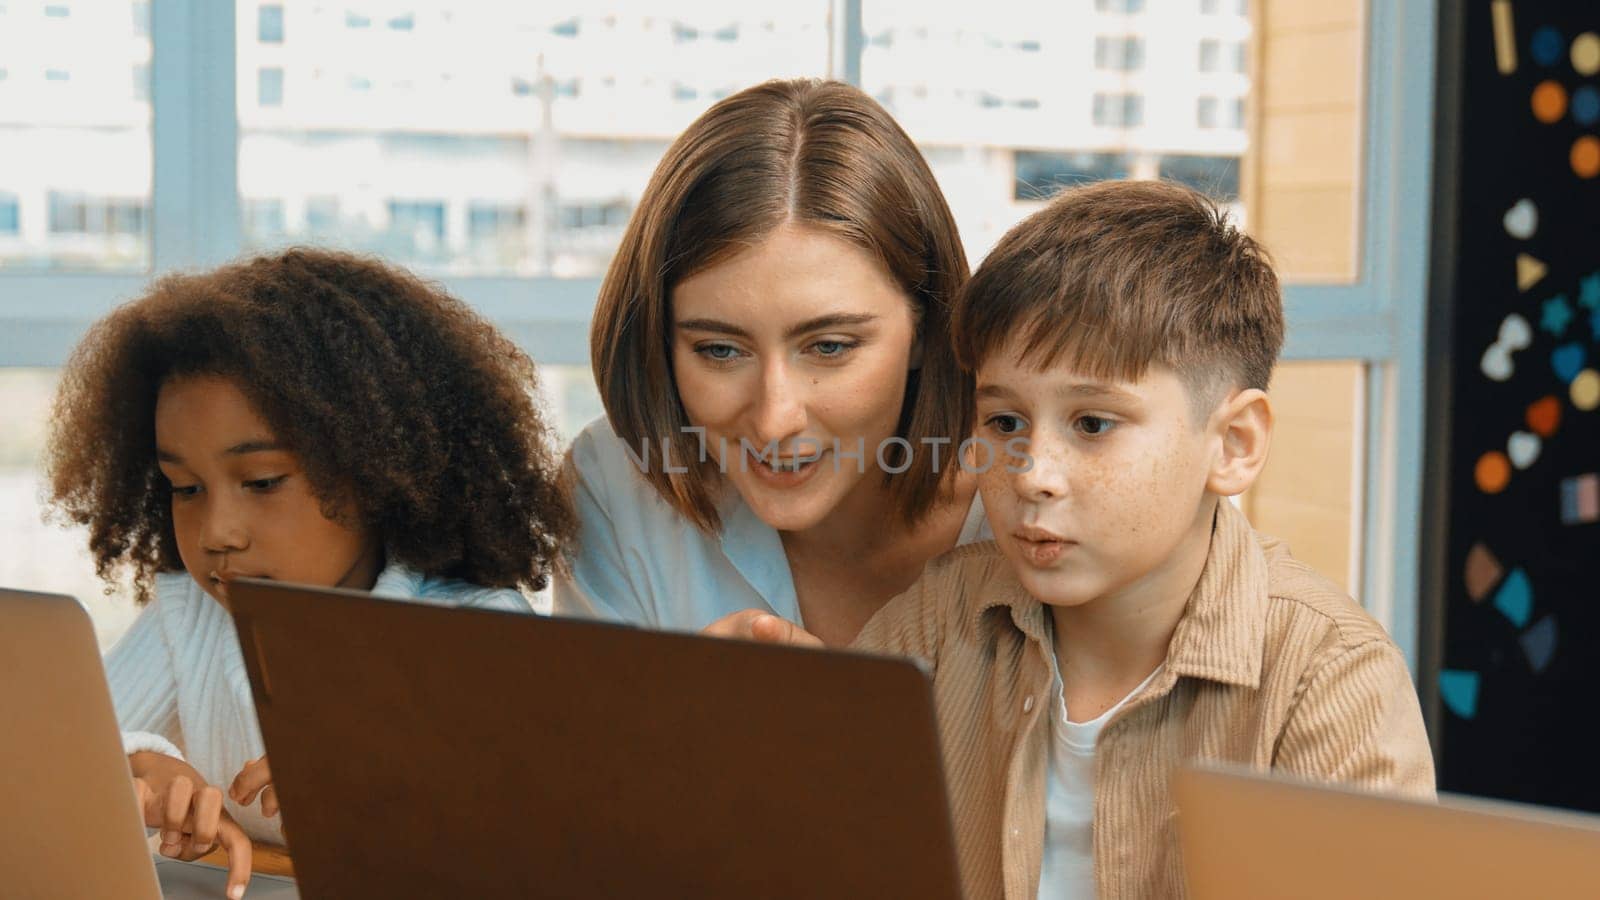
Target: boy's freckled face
(1117,480)
(241,505)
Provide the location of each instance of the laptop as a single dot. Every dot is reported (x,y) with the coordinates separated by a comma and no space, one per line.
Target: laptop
(426,751)
(1251,837)
(72,826)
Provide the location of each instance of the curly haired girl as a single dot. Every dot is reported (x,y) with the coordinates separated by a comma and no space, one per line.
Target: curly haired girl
(314,417)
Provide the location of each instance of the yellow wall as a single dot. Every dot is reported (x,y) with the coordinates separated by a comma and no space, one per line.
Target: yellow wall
(1302,186)
(1302,178)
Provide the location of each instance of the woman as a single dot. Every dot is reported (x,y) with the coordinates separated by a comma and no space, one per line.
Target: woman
(771,347)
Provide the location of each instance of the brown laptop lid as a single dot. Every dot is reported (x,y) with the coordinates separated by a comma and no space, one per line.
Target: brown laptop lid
(1250,837)
(441,752)
(71,826)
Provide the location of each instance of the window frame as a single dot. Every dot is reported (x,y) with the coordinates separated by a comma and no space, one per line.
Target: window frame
(195,221)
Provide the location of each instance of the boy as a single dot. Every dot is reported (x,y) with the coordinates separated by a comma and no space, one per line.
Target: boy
(1126,618)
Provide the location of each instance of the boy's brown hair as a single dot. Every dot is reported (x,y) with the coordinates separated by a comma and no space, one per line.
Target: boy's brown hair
(818,153)
(1118,275)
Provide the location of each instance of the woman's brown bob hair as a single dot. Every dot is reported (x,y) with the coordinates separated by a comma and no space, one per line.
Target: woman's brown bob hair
(819,153)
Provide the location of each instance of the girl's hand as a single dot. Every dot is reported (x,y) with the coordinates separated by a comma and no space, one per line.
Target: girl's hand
(176,799)
(255,778)
(757,625)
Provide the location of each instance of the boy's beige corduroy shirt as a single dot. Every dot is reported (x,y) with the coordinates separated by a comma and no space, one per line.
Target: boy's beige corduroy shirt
(1271,666)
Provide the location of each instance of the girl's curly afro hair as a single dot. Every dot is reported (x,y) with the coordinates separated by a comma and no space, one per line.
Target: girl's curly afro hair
(403,405)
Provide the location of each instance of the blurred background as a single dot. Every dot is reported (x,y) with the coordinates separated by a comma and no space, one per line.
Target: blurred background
(501,147)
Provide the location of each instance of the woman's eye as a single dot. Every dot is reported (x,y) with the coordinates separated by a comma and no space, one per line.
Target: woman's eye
(1005,423)
(1094,426)
(265,484)
(718,352)
(833,348)
(185,490)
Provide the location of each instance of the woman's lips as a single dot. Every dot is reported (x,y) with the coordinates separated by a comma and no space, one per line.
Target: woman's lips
(783,478)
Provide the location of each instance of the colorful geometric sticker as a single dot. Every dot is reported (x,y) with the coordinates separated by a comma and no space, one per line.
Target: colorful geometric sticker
(1585,391)
(1515,598)
(1555,315)
(1492,473)
(1530,271)
(1539,644)
(1515,334)
(1580,499)
(1585,105)
(1522,219)
(1586,53)
(1505,38)
(1544,415)
(1547,46)
(1549,102)
(1589,291)
(1459,690)
(1522,449)
(1483,570)
(1585,156)
(1568,360)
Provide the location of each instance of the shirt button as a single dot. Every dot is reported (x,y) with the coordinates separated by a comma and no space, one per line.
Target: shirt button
(1027,705)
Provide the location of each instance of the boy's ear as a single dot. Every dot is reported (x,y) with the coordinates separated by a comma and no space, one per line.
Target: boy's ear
(1244,424)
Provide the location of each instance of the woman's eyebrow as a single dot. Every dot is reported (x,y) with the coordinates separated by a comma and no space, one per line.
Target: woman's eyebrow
(832,320)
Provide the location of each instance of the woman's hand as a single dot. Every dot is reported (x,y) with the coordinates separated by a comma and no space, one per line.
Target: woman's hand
(758,625)
(255,778)
(176,799)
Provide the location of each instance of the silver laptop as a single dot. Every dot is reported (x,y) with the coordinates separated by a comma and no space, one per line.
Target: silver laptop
(71,827)
(1252,837)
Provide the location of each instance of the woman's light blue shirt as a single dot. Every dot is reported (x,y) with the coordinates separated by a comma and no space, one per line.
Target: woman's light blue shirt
(637,560)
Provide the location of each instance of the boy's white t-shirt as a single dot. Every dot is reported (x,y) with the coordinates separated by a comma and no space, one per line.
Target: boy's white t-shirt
(1067,871)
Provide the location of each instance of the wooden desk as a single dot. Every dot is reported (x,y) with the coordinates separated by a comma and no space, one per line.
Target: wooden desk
(265,859)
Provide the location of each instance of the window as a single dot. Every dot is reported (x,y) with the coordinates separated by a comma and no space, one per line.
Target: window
(10,215)
(269,23)
(269,86)
(1118,110)
(1220,56)
(79,214)
(322,216)
(1119,6)
(470,133)
(416,228)
(597,214)
(1040,174)
(1118,53)
(75,147)
(488,221)
(264,222)
(1217,176)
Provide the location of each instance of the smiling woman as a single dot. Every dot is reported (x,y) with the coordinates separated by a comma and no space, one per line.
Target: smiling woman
(775,325)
